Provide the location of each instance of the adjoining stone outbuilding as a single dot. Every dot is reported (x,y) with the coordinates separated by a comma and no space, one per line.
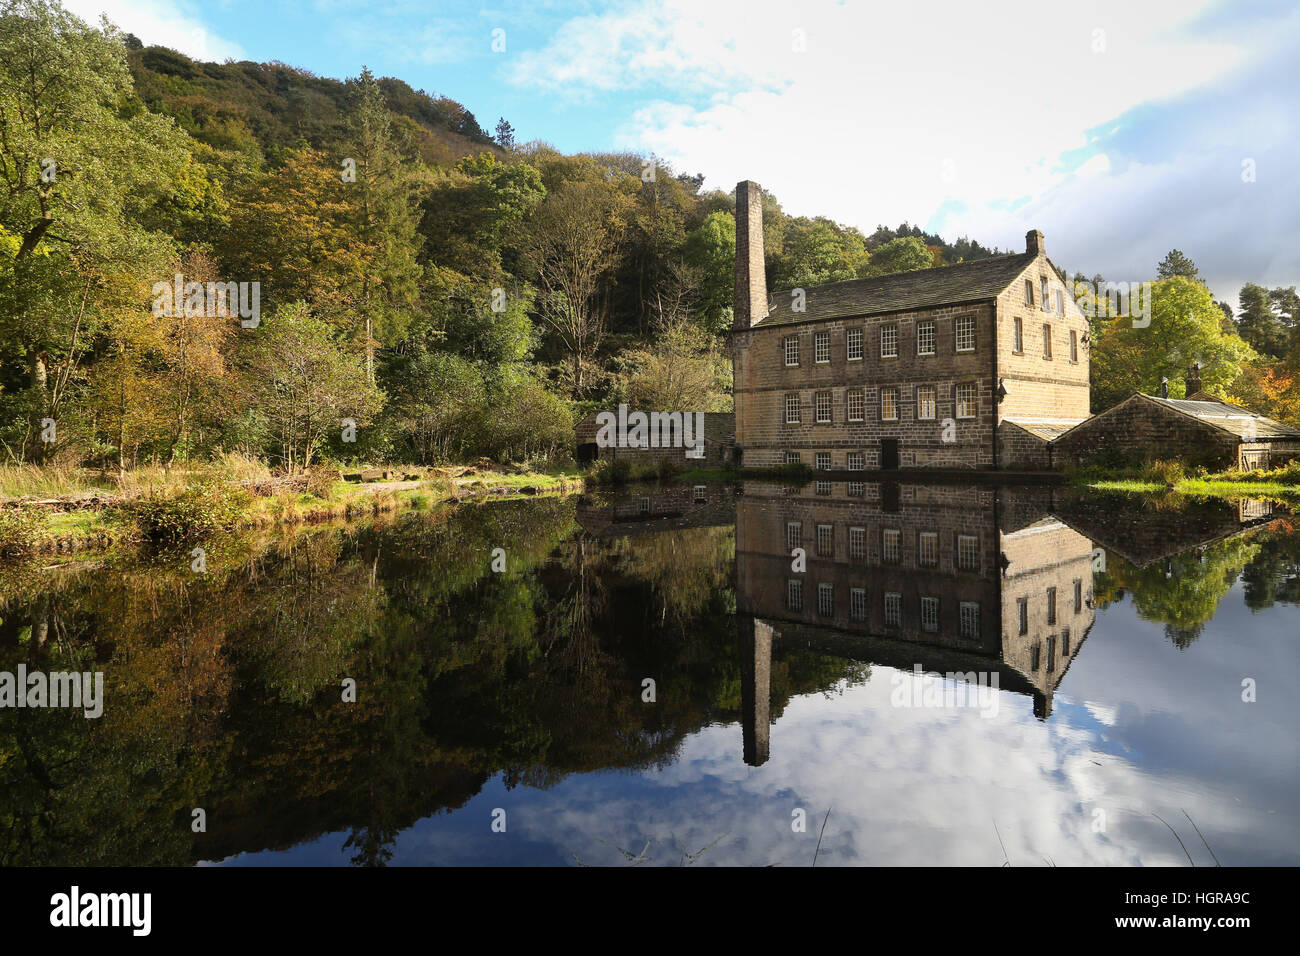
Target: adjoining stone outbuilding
(719,435)
(939,368)
(1199,430)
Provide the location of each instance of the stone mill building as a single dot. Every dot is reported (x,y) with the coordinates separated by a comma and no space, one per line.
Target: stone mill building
(976,365)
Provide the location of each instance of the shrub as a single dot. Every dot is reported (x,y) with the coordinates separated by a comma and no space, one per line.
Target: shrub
(18,530)
(193,513)
(1165,472)
(614,471)
(668,468)
(321,479)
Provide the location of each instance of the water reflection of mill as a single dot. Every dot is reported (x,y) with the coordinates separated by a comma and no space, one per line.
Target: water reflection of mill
(950,578)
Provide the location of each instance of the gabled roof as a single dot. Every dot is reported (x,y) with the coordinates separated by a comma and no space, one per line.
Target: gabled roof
(1234,419)
(1046,429)
(900,291)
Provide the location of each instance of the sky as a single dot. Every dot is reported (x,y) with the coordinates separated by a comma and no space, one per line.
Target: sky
(1119,129)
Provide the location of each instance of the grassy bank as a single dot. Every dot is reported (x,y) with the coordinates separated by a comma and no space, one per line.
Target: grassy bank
(1162,476)
(57,511)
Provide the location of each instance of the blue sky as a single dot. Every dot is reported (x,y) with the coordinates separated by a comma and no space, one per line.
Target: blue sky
(1120,129)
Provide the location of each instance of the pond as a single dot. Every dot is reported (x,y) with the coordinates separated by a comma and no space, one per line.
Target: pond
(839,673)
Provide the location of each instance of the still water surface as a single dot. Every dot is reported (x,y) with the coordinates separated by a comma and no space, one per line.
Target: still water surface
(789,706)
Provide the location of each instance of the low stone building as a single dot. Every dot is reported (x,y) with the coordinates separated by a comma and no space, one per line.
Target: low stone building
(1200,430)
(719,436)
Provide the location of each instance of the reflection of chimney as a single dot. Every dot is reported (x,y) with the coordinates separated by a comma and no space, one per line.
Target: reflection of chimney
(755,688)
(1034,243)
(1164,387)
(1193,379)
(751,281)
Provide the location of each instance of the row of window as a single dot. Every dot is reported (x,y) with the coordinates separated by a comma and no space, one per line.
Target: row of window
(965,400)
(1045,298)
(968,612)
(966,554)
(1022,606)
(1018,342)
(926,341)
(963,340)
(1036,652)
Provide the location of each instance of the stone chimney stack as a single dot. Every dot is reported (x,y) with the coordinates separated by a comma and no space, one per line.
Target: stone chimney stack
(1164,387)
(751,280)
(1034,243)
(1193,379)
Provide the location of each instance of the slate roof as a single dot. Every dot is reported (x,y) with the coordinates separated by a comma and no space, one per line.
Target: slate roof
(1046,430)
(1233,419)
(900,291)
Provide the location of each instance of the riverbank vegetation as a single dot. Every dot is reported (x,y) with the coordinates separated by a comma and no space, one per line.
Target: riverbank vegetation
(203,263)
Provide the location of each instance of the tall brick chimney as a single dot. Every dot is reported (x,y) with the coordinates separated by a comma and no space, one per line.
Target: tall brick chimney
(1193,379)
(751,280)
(1034,243)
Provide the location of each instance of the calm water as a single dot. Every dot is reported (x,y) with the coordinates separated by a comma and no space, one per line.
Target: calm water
(1121,635)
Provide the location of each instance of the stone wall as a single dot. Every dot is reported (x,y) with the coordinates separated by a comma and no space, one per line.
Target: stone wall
(1018,450)
(762,381)
(719,436)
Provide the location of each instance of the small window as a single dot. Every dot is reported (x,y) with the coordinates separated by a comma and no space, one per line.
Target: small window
(1074,346)
(925,402)
(856,489)
(969,620)
(822,405)
(823,461)
(1065,642)
(1060,302)
(893,608)
(858,604)
(645,506)
(794,594)
(856,461)
(824,487)
(857,542)
(1029,292)
(791,350)
(825,599)
(853,345)
(930,614)
(826,540)
(967,406)
(1022,609)
(889,550)
(889,404)
(857,404)
(1051,653)
(793,535)
(792,409)
(889,341)
(1019,328)
(701,492)
(968,554)
(792,458)
(1051,606)
(1047,341)
(821,347)
(1078,595)
(927,551)
(925,338)
(965,333)
(1042,300)
(1034,653)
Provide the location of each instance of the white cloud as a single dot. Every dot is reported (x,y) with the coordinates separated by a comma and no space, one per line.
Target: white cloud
(973,120)
(162,22)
